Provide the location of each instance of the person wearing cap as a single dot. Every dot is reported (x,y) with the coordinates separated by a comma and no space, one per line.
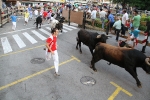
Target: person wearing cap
(117,26)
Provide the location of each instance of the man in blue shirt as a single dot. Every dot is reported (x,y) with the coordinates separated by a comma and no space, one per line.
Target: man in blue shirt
(14,20)
(110,22)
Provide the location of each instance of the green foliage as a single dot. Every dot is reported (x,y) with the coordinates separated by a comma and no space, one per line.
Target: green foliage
(142,28)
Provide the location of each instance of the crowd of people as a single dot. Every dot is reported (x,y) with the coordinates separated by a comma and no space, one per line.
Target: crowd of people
(121,24)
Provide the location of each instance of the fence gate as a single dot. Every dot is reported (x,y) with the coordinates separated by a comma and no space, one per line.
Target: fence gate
(76,17)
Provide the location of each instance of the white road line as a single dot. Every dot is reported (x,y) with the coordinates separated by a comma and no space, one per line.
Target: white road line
(44,31)
(60,33)
(64,31)
(67,28)
(20,30)
(70,26)
(38,35)
(48,28)
(31,39)
(18,40)
(6,46)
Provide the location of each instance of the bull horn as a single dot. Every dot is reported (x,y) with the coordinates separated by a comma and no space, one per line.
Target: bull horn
(98,36)
(147,61)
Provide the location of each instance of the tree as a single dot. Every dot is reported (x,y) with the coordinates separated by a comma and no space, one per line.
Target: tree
(140,4)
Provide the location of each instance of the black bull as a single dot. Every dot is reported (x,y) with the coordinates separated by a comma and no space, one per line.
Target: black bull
(38,21)
(90,39)
(127,58)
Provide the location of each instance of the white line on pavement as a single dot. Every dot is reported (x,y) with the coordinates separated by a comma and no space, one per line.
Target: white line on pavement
(18,40)
(31,39)
(39,35)
(44,31)
(67,28)
(6,46)
(20,30)
(70,26)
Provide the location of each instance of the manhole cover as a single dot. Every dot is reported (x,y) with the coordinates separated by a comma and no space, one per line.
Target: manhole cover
(37,60)
(89,81)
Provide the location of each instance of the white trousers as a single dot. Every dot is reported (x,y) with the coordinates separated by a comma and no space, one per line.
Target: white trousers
(14,25)
(55,58)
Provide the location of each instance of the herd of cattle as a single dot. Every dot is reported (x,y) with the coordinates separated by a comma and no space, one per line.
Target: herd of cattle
(127,58)
(56,23)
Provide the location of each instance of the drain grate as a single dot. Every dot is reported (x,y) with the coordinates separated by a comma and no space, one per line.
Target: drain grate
(37,61)
(87,80)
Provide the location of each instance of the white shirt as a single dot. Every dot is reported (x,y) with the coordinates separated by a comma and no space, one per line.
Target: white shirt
(124,18)
(93,14)
(89,11)
(36,12)
(102,14)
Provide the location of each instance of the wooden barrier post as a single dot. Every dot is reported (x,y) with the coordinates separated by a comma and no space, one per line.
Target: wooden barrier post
(84,19)
(7,15)
(1,17)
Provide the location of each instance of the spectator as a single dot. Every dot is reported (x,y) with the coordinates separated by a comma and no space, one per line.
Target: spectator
(110,22)
(124,21)
(102,17)
(136,20)
(93,16)
(117,26)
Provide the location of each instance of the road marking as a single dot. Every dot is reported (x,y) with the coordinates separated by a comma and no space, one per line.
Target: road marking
(70,26)
(21,51)
(18,40)
(46,32)
(67,28)
(20,30)
(6,46)
(64,31)
(116,92)
(48,28)
(59,32)
(37,73)
(38,35)
(31,39)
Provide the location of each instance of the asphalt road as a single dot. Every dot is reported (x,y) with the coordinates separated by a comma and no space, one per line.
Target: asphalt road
(26,75)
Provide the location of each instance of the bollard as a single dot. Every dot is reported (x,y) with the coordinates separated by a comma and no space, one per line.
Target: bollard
(69,16)
(84,19)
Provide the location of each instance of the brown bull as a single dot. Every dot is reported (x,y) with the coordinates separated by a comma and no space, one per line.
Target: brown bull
(127,58)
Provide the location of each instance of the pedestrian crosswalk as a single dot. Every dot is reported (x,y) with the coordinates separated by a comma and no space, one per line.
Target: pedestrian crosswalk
(33,36)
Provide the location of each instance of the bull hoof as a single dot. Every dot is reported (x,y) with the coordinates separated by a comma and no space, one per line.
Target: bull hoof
(139,85)
(95,70)
(39,27)
(76,48)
